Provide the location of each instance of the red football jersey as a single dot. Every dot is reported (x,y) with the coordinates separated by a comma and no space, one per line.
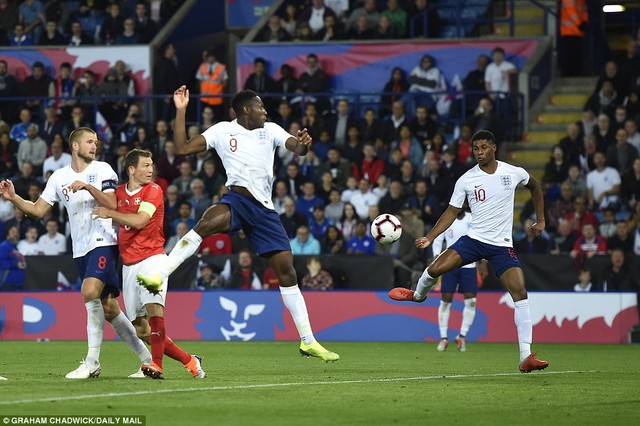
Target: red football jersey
(138,244)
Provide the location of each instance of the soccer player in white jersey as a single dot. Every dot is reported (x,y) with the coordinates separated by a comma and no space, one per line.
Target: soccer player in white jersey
(246,146)
(463,279)
(489,188)
(82,186)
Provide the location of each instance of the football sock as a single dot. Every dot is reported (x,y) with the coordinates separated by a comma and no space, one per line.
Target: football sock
(425,284)
(157,339)
(184,249)
(294,301)
(95,329)
(468,314)
(174,351)
(127,333)
(443,318)
(522,318)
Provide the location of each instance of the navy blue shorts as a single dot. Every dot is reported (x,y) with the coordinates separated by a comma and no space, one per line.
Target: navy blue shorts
(464,279)
(262,226)
(101,263)
(501,258)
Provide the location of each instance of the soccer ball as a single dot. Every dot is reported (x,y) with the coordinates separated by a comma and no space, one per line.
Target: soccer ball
(386,228)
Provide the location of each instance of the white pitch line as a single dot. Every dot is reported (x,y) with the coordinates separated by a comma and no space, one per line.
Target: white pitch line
(274,385)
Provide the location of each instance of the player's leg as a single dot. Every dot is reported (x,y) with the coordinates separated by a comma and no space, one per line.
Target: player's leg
(156,339)
(513,279)
(216,220)
(282,264)
(468,283)
(444,311)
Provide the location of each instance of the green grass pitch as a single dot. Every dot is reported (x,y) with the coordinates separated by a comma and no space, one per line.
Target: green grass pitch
(267,383)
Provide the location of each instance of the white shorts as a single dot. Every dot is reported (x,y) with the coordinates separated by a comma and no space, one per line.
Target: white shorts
(135,296)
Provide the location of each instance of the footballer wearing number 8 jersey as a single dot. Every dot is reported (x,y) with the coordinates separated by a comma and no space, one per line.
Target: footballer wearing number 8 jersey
(489,188)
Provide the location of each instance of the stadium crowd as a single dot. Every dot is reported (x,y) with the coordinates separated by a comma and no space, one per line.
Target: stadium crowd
(398,158)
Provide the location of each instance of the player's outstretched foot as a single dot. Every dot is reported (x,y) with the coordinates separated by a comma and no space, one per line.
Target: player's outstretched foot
(137,375)
(461,341)
(195,367)
(402,294)
(531,363)
(3,378)
(443,344)
(152,370)
(153,283)
(315,349)
(84,371)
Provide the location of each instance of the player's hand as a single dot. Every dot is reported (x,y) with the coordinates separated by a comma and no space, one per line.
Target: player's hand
(100,213)
(7,189)
(537,228)
(78,186)
(304,138)
(181,97)
(423,242)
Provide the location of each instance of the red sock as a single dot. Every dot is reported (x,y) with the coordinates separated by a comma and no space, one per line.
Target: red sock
(174,351)
(157,339)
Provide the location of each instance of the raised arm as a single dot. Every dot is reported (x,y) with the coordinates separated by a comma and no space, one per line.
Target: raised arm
(538,204)
(442,225)
(36,210)
(299,145)
(183,146)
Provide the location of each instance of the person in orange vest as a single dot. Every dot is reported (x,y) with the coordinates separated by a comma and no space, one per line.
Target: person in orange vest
(573,22)
(213,81)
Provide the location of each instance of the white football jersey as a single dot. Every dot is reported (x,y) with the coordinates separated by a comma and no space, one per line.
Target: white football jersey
(458,228)
(86,233)
(247,155)
(491,199)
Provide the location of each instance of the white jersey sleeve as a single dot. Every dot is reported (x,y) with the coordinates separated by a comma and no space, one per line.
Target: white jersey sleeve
(50,192)
(436,245)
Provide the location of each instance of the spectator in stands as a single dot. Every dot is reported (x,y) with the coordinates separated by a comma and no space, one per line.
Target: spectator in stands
(274,32)
(363,198)
(605,100)
(558,209)
(385,29)
(146,28)
(622,239)
(315,14)
(417,27)
(334,207)
(79,37)
(463,147)
(587,122)
(361,30)
(370,167)
(530,244)
(484,117)
(423,126)
(338,167)
(618,275)
(32,149)
(200,201)
(564,239)
(51,36)
(57,160)
(603,132)
(331,30)
(280,196)
(184,215)
(340,122)
(394,199)
(12,263)
(369,11)
(632,102)
(309,200)
(572,143)
(325,187)
(475,82)
(124,77)
(629,187)
(181,230)
(128,35)
(584,284)
(304,242)
(588,245)
(77,120)
(574,19)
(361,242)
(183,182)
(407,176)
(30,12)
(348,221)
(8,152)
(391,126)
(393,90)
(633,136)
(621,155)
(398,17)
(9,87)
(556,170)
(36,85)
(213,79)
(315,80)
(51,125)
(207,279)
(287,83)
(169,163)
(318,223)
(216,244)
(208,118)
(165,79)
(317,278)
(608,226)
(86,88)
(19,130)
(114,108)
(426,81)
(580,216)
(590,148)
(292,219)
(408,145)
(246,275)
(603,184)
(29,245)
(53,243)
(132,122)
(425,204)
(498,74)
(290,19)
(8,18)
(212,180)
(370,126)
(619,117)
(333,241)
(112,26)
(612,75)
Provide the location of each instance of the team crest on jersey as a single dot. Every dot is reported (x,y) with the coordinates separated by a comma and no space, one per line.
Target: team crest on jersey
(137,201)
(92,178)
(262,136)
(505,180)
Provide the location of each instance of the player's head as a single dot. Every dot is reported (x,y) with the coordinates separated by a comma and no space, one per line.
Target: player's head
(83,143)
(484,146)
(139,166)
(249,108)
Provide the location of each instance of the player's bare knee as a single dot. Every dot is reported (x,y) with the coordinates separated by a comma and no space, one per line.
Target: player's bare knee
(89,294)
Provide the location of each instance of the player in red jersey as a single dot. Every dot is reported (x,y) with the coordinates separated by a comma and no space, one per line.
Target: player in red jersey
(140,213)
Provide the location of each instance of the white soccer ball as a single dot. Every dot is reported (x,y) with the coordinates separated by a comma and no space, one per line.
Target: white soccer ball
(386,228)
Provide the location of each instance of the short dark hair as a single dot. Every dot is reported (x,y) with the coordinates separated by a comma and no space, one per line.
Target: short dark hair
(259,60)
(75,135)
(133,157)
(483,135)
(242,99)
(497,49)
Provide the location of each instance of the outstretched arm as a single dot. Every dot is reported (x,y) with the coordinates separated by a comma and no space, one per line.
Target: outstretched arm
(36,210)
(183,146)
(301,144)
(134,220)
(538,204)
(442,225)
